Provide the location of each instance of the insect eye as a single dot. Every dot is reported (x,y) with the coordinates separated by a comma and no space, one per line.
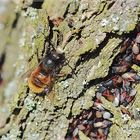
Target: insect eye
(48,63)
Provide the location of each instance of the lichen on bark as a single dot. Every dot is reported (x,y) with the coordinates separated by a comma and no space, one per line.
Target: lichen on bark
(90,35)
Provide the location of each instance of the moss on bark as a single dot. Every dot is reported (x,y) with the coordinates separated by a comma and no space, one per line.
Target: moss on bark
(90,35)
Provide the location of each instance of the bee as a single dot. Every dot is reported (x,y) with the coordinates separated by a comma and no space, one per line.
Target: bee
(43,76)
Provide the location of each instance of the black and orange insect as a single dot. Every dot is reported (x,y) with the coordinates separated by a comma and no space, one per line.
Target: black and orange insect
(43,76)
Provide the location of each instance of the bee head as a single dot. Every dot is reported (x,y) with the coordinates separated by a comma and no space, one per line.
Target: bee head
(57,57)
(48,63)
(53,60)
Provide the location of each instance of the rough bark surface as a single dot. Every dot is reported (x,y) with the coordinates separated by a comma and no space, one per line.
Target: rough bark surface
(90,35)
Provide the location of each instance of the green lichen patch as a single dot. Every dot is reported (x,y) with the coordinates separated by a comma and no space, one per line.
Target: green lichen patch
(136,68)
(126,129)
(83,136)
(136,106)
(56,8)
(84,102)
(87,45)
(117,119)
(82,32)
(100,65)
(129,131)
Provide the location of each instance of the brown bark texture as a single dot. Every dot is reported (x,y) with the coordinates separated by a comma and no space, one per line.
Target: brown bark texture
(90,33)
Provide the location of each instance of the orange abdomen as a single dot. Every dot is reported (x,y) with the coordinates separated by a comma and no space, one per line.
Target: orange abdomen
(38,80)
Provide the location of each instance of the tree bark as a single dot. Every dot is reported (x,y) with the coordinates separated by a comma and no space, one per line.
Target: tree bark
(90,34)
